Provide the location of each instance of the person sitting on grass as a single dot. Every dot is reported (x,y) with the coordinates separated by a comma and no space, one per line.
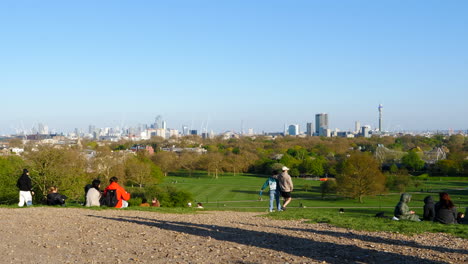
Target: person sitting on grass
(144,203)
(429,211)
(402,211)
(93,195)
(55,198)
(445,211)
(272,183)
(199,205)
(122,195)
(155,202)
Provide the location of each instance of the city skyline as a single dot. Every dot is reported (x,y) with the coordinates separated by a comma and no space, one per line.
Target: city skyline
(225,66)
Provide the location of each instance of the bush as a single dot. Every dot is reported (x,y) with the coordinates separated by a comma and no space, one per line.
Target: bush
(168,196)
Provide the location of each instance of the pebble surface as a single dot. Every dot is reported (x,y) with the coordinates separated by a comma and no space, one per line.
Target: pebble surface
(69,235)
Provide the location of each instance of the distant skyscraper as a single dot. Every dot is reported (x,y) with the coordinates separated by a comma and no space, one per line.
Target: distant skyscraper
(163,125)
(310,129)
(321,124)
(293,130)
(380,117)
(185,130)
(158,122)
(357,126)
(365,131)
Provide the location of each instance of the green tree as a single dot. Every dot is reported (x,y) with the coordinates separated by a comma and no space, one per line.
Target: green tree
(167,161)
(142,171)
(64,168)
(361,176)
(10,170)
(412,161)
(328,187)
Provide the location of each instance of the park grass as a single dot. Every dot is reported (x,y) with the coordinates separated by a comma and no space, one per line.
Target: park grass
(364,219)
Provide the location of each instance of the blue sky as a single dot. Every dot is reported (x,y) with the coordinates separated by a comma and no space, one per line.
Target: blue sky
(219,63)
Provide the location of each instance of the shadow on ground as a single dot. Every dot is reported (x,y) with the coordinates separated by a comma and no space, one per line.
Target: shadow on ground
(319,251)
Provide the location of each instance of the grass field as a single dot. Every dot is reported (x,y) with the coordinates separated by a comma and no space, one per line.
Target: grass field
(241,193)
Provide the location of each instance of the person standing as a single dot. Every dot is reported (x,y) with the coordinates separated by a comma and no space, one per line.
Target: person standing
(122,195)
(25,186)
(272,183)
(286,186)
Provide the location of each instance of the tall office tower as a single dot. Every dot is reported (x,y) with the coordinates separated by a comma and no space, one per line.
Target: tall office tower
(91,129)
(42,129)
(357,127)
(285,130)
(164,125)
(310,129)
(158,122)
(293,130)
(321,124)
(365,131)
(185,130)
(380,117)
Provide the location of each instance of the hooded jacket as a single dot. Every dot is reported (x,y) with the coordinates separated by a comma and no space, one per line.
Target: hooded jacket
(429,211)
(24,183)
(402,210)
(121,193)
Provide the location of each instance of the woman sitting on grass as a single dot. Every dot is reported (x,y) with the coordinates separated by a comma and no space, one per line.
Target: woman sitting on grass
(445,211)
(55,198)
(402,211)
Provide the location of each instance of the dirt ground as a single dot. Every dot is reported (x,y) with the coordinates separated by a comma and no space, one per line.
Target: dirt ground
(68,235)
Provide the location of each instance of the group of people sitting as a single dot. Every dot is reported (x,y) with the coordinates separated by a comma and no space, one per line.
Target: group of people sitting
(113,195)
(443,211)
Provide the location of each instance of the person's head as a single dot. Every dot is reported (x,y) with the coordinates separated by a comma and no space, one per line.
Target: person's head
(96,184)
(428,199)
(445,200)
(53,189)
(113,179)
(274,172)
(199,204)
(144,200)
(25,172)
(285,169)
(405,197)
(460,215)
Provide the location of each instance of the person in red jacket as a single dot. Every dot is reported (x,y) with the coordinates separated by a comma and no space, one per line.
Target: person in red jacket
(122,195)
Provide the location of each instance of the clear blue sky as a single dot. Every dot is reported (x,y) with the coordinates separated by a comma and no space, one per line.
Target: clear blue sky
(74,63)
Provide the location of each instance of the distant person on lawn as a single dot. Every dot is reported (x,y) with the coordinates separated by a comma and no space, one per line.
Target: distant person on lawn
(55,198)
(272,183)
(429,210)
(25,189)
(445,211)
(122,195)
(286,186)
(402,211)
(93,195)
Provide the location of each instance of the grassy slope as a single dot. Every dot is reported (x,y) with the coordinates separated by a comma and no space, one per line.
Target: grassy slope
(241,193)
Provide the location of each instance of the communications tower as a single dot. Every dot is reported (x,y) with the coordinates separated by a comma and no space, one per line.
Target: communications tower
(380,117)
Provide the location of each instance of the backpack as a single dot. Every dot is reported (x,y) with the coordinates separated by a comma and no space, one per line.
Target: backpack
(110,199)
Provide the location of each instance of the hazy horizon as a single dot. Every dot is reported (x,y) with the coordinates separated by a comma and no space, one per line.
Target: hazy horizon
(217,64)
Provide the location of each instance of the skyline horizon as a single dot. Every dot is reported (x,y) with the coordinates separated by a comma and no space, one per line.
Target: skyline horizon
(217,64)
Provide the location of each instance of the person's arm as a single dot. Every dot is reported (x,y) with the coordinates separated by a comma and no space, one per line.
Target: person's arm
(125,195)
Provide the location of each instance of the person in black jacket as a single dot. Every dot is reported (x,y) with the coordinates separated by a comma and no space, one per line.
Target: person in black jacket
(429,211)
(445,211)
(55,198)
(25,186)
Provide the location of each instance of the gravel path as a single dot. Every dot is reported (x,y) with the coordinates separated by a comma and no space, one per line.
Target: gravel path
(68,235)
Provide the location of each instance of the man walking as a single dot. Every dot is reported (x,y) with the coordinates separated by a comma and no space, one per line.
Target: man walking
(286,186)
(25,187)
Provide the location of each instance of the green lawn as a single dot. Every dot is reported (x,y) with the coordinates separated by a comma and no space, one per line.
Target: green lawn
(240,193)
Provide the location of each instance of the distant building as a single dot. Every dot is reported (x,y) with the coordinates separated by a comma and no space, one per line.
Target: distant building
(310,129)
(193,132)
(365,131)
(321,124)
(357,127)
(293,130)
